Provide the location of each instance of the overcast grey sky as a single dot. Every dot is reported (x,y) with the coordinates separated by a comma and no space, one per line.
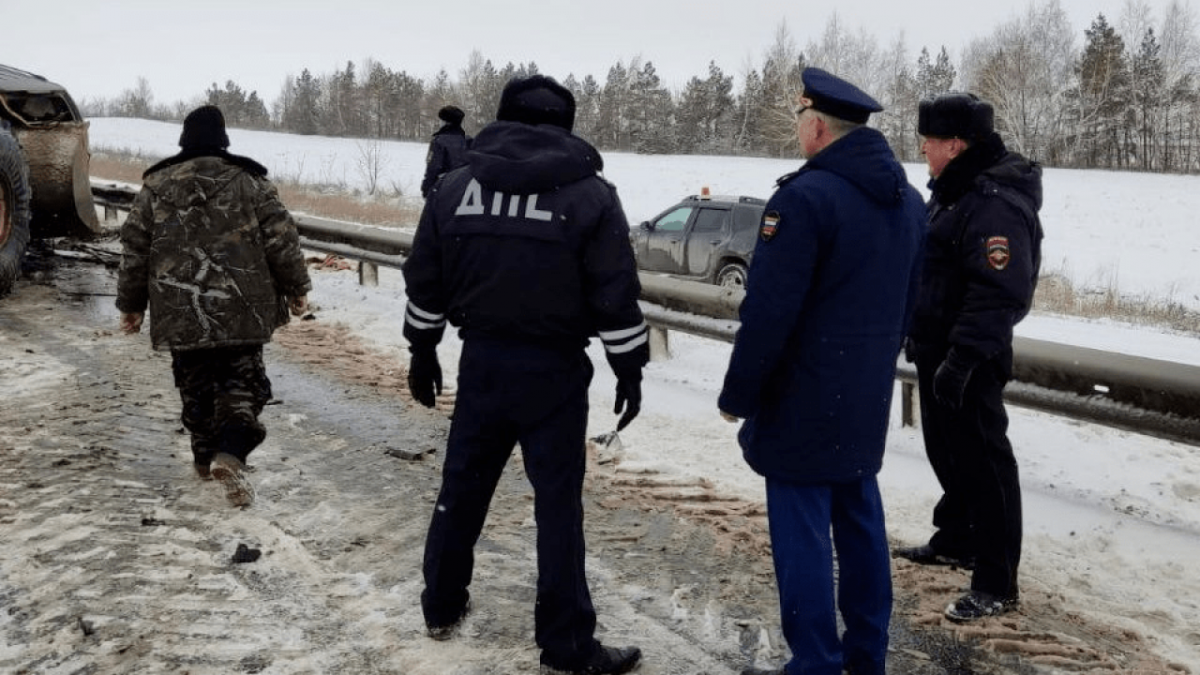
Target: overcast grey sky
(99,49)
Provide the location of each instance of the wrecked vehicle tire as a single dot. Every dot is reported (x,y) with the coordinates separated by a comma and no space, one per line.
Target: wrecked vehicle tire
(14,208)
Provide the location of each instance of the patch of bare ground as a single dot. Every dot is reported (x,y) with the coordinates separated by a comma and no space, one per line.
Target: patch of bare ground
(334,203)
(1056,293)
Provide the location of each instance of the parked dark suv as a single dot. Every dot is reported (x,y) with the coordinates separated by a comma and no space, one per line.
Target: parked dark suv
(704,238)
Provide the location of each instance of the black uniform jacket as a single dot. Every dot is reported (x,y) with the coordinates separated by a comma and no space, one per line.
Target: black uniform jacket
(982,255)
(447,151)
(526,244)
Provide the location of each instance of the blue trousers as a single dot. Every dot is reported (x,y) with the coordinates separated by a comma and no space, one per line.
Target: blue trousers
(535,396)
(808,523)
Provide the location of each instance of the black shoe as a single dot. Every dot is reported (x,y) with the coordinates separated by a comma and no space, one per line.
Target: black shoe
(925,555)
(764,671)
(977,605)
(606,661)
(442,633)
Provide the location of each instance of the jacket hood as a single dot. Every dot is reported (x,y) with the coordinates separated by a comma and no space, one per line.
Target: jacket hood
(864,158)
(526,158)
(988,160)
(192,182)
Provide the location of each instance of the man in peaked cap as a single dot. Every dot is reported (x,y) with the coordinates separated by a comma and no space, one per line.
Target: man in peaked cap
(526,250)
(447,149)
(980,272)
(837,97)
(827,304)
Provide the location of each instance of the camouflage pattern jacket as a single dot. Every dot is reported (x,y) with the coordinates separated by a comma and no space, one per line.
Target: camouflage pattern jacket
(212,251)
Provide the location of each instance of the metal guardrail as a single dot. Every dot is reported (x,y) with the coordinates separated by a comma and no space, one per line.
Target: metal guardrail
(1143,395)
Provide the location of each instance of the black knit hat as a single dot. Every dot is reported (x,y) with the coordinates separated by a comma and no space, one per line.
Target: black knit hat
(204,127)
(956,115)
(537,100)
(451,114)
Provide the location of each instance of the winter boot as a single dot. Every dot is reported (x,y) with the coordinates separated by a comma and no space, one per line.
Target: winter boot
(231,472)
(606,661)
(978,604)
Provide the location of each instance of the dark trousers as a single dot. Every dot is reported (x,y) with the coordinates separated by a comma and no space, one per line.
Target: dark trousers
(509,394)
(223,390)
(979,513)
(801,519)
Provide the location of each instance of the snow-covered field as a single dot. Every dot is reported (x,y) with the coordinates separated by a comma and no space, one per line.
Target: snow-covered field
(1112,518)
(1130,231)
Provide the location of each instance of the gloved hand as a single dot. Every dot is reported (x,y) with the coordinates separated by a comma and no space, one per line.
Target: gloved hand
(951,377)
(424,376)
(131,322)
(629,398)
(910,350)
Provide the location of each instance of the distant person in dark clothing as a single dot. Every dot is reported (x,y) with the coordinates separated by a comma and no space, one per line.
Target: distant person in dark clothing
(981,269)
(212,252)
(447,150)
(526,250)
(813,369)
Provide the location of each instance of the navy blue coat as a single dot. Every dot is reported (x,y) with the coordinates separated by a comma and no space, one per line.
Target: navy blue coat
(829,296)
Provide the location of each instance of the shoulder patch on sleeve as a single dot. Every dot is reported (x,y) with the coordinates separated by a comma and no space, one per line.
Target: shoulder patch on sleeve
(998,254)
(769,226)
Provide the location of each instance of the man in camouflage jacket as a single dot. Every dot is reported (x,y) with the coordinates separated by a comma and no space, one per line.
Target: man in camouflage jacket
(214,254)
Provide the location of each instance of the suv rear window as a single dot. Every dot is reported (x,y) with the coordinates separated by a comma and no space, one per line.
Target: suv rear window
(709,220)
(747,217)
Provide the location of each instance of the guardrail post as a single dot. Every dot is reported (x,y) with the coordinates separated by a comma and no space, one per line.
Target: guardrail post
(908,404)
(660,344)
(368,273)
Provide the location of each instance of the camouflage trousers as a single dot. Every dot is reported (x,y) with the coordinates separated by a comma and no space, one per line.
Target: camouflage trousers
(223,390)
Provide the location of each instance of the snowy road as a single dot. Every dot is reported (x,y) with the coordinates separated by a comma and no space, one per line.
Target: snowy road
(114,558)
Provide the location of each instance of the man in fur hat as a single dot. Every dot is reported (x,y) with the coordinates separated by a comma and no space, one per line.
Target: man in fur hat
(448,149)
(212,252)
(980,272)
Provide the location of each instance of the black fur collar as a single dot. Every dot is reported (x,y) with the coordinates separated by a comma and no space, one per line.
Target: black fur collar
(959,176)
(246,163)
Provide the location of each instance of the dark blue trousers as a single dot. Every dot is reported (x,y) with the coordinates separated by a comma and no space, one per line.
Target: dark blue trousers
(535,396)
(808,523)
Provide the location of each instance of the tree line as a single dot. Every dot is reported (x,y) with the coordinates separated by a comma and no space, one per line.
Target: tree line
(1127,96)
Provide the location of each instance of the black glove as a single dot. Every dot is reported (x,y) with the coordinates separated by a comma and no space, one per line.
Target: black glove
(424,376)
(910,350)
(629,398)
(950,379)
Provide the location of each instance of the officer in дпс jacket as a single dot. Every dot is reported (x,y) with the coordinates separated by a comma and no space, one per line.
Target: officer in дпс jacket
(526,251)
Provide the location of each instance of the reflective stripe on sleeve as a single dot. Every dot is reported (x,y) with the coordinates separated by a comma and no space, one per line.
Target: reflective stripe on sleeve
(420,319)
(626,339)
